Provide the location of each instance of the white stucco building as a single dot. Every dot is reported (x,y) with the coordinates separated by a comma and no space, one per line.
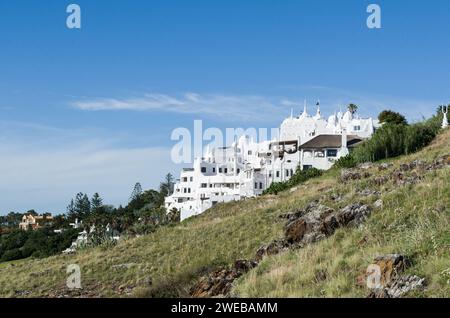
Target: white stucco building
(246,168)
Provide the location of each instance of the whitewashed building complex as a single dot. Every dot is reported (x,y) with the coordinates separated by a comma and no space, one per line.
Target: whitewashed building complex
(246,168)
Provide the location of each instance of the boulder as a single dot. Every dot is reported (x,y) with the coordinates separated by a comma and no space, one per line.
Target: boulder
(353,174)
(378,204)
(389,270)
(272,248)
(384,166)
(295,230)
(354,213)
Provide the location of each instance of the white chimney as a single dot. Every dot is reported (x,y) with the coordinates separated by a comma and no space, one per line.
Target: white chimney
(344,149)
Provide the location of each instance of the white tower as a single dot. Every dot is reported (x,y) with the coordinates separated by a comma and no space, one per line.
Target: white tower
(444,118)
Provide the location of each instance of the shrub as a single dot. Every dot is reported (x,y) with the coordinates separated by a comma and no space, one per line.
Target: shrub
(300,176)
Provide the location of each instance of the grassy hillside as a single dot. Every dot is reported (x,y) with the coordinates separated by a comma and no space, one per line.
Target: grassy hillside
(414,220)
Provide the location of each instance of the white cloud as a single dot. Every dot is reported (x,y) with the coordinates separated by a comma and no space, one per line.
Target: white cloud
(46,177)
(241,107)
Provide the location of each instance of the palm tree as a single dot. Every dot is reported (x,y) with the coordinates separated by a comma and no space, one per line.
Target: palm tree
(352,108)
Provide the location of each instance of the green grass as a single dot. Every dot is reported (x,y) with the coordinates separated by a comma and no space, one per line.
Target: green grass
(414,221)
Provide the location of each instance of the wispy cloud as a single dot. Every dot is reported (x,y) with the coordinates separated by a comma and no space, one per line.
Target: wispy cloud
(40,172)
(241,107)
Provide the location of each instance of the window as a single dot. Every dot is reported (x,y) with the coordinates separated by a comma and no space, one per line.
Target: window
(357,128)
(249,152)
(319,154)
(287,173)
(332,153)
(189,190)
(306,167)
(184,190)
(260,185)
(226,170)
(220,170)
(214,170)
(278,173)
(238,171)
(184,179)
(191,179)
(256,185)
(203,169)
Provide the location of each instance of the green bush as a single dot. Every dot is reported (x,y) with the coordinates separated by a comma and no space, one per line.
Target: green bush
(299,177)
(393,140)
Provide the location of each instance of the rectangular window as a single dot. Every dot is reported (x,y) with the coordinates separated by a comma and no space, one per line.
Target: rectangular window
(256,185)
(332,153)
(278,173)
(203,169)
(260,185)
(220,170)
(226,170)
(204,185)
(356,128)
(306,167)
(214,170)
(287,173)
(191,179)
(238,171)
(184,179)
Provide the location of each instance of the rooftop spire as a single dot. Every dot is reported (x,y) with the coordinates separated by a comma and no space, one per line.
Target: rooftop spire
(304,108)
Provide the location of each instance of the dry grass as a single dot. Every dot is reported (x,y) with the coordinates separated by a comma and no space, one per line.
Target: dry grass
(414,220)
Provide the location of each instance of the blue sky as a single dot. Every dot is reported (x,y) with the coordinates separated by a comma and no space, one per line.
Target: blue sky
(93,109)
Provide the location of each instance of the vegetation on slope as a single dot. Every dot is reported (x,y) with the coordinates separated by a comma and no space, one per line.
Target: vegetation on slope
(414,220)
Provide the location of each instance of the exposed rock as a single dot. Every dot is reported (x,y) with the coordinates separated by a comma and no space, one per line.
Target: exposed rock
(404,285)
(439,163)
(272,248)
(354,213)
(123,266)
(378,204)
(336,197)
(214,284)
(366,165)
(353,174)
(309,223)
(379,181)
(389,281)
(384,166)
(368,192)
(243,266)
(391,266)
(220,282)
(400,178)
(320,275)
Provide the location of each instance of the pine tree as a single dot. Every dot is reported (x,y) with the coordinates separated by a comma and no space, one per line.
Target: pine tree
(137,192)
(96,202)
(166,187)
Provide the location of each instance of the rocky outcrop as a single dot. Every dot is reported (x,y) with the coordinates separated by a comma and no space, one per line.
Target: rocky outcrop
(386,279)
(220,282)
(353,174)
(272,248)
